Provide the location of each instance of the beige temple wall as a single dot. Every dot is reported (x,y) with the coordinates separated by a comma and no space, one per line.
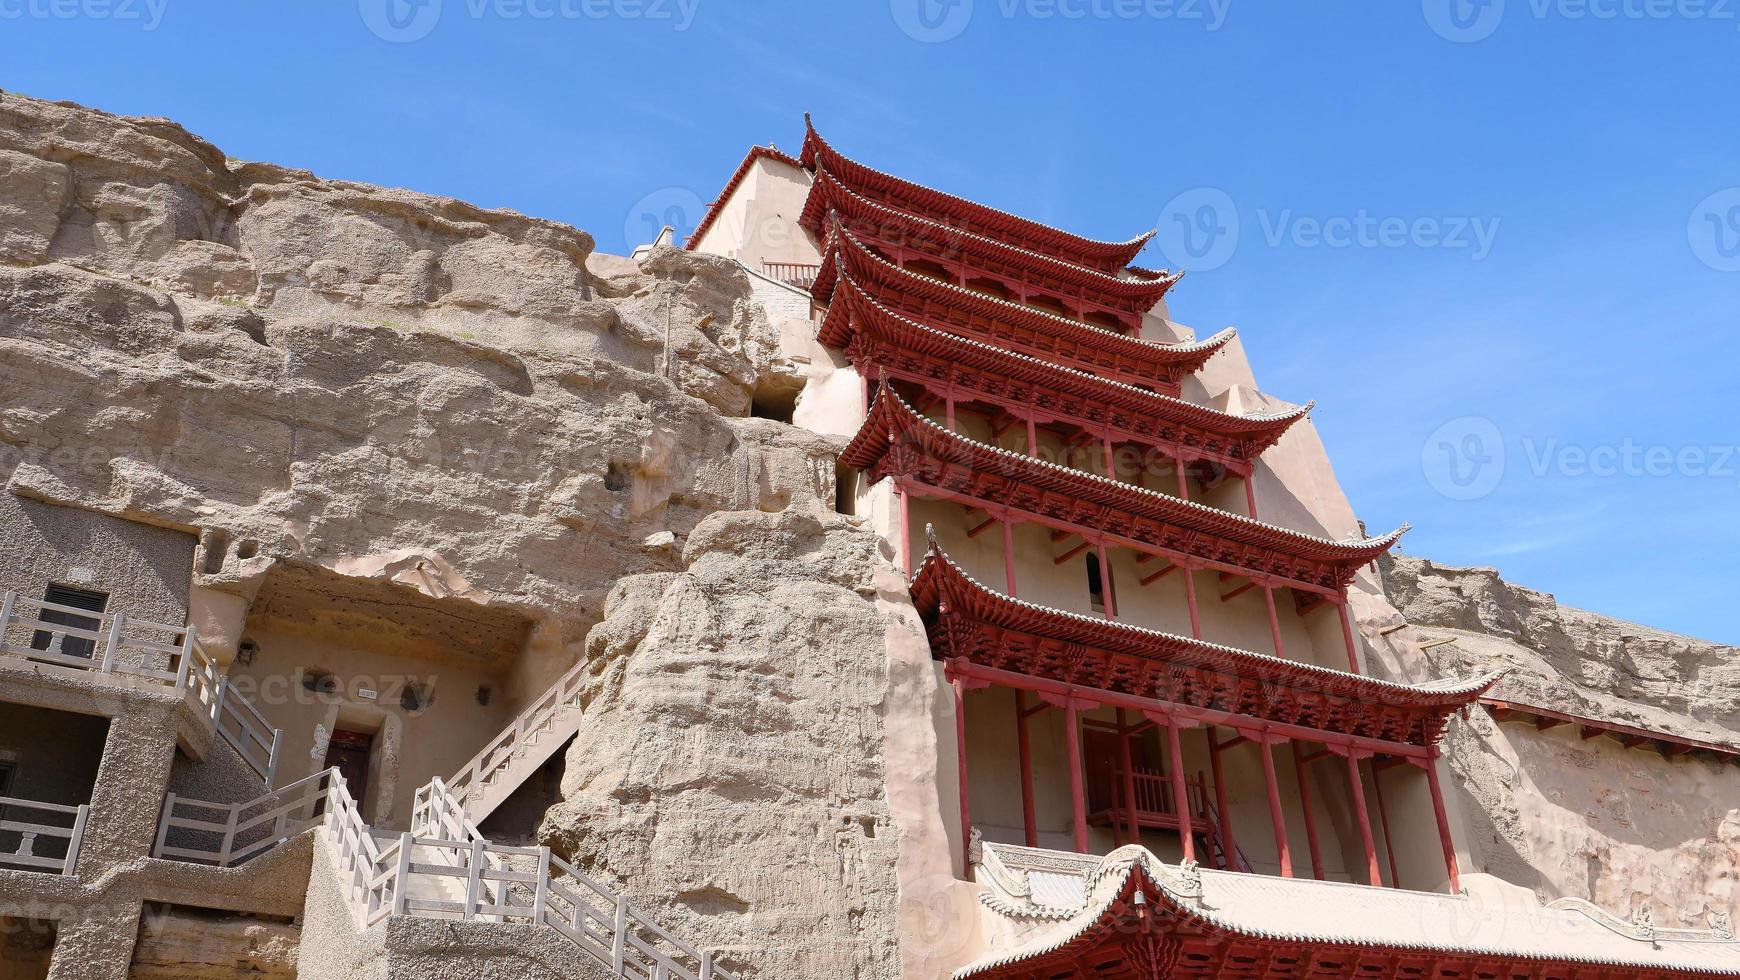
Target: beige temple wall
(409,746)
(759,222)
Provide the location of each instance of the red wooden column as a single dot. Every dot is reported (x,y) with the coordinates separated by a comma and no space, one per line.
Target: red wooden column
(1009,556)
(1130,778)
(904,501)
(1183,477)
(1111,460)
(1431,767)
(960,684)
(1180,795)
(1077,794)
(950,400)
(1265,741)
(1228,843)
(1106,582)
(1251,493)
(1377,791)
(1373,876)
(1190,597)
(1305,807)
(1032,434)
(1274,619)
(1024,743)
(1347,633)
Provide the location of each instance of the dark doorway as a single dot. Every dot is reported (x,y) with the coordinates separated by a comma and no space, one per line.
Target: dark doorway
(26,945)
(66,595)
(349,752)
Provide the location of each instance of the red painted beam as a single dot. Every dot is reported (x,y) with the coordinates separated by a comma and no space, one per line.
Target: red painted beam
(1241,590)
(1157,576)
(1024,742)
(1180,794)
(1071,553)
(1244,724)
(1443,827)
(1357,784)
(1077,796)
(1277,819)
(1587,728)
(1305,809)
(960,686)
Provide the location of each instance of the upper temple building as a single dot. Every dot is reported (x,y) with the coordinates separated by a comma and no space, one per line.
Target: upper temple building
(1167,744)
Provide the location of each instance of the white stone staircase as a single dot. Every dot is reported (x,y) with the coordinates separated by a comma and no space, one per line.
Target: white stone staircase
(509,758)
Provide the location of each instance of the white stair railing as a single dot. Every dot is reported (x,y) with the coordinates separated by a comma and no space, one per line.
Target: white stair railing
(381,880)
(32,834)
(227,834)
(565,693)
(437,813)
(556,895)
(123,645)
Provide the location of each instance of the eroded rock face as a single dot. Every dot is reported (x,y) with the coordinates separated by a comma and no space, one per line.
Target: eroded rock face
(195,945)
(411,390)
(1586,818)
(730,766)
(334,371)
(1575,661)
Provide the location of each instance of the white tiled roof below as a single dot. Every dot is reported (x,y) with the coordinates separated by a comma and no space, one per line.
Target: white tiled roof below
(1302,910)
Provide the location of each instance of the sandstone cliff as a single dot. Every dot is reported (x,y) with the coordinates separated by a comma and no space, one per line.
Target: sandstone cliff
(1586,818)
(406,388)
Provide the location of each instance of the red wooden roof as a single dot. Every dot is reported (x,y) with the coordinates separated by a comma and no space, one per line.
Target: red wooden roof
(896,441)
(1134,294)
(917,199)
(755,153)
(876,338)
(1005,324)
(968,621)
(1142,919)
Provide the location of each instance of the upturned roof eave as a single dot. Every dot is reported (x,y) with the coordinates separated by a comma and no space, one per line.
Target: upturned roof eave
(1119,253)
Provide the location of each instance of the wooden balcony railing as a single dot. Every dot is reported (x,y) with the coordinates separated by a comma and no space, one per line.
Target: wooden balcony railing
(120,645)
(1156,807)
(30,844)
(799,274)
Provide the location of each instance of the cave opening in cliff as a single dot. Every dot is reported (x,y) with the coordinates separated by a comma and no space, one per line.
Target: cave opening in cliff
(26,946)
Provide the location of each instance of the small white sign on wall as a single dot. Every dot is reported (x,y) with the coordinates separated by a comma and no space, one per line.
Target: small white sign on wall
(79,575)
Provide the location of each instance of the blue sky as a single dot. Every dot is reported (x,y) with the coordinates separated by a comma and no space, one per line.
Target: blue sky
(1477,235)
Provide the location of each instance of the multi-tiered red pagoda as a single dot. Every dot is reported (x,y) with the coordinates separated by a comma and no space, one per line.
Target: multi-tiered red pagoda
(1154,671)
